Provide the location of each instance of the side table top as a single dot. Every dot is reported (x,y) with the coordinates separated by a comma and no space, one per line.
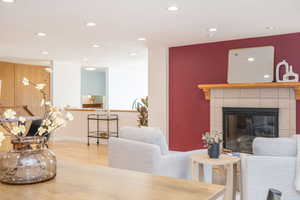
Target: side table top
(223,160)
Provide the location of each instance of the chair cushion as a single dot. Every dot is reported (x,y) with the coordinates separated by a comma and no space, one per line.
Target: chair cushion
(150,135)
(274,146)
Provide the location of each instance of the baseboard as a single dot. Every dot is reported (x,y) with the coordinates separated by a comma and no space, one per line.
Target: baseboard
(76,139)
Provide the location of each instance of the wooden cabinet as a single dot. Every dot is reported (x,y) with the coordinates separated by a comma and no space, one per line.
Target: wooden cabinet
(7,72)
(16,94)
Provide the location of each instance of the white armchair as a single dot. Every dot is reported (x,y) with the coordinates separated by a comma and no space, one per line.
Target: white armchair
(272,165)
(146,150)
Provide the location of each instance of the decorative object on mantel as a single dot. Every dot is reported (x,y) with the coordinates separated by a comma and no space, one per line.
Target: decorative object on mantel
(142,106)
(289,75)
(212,140)
(31,161)
(207,87)
(251,65)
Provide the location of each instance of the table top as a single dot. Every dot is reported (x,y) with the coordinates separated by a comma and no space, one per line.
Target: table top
(75,181)
(223,160)
(103,116)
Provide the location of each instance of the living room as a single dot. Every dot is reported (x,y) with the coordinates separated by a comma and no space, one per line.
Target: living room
(149,100)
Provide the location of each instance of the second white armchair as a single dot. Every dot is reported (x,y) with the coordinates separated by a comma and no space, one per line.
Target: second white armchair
(146,150)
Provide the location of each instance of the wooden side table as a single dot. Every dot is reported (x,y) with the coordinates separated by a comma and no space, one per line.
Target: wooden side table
(202,164)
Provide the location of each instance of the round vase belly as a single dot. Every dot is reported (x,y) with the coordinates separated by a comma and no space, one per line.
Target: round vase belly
(29,162)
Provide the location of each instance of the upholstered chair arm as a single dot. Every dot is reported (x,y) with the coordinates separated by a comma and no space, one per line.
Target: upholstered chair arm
(178,164)
(134,155)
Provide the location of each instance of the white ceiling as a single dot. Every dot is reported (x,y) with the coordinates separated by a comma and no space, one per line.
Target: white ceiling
(120,23)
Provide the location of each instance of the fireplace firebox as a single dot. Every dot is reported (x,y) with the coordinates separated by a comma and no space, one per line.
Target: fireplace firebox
(242,125)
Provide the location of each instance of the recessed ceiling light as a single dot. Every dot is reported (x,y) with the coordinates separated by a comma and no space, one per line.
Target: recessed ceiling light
(8,1)
(251,59)
(173,8)
(212,30)
(91,24)
(41,34)
(45,52)
(90,68)
(132,54)
(141,39)
(96,46)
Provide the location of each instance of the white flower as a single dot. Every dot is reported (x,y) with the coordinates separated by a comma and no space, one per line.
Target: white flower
(41,131)
(69,116)
(22,129)
(51,128)
(40,86)
(213,137)
(60,122)
(25,81)
(47,122)
(15,130)
(22,120)
(10,114)
(43,102)
(2,137)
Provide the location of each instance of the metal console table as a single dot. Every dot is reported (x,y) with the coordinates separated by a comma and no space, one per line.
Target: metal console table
(100,132)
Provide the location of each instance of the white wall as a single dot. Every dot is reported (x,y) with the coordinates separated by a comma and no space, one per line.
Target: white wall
(66,84)
(127,84)
(158,87)
(76,130)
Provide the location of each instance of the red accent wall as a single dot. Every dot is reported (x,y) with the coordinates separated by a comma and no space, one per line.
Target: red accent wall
(207,63)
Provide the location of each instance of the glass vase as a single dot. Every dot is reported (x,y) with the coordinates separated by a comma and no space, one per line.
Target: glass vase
(29,162)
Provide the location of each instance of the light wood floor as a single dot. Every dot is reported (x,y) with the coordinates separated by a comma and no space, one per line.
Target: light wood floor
(80,152)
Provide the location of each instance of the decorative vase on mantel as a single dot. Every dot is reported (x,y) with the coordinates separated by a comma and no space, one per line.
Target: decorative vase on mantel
(29,162)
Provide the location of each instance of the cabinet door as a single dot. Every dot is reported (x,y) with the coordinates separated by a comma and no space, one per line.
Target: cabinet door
(30,96)
(8,81)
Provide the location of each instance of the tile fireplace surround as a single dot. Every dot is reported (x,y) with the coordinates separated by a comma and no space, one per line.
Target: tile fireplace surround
(282,98)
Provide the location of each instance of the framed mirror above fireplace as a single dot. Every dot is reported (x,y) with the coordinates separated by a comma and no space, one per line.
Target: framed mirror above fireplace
(242,125)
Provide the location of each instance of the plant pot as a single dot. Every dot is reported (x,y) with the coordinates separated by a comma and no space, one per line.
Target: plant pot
(29,162)
(214,151)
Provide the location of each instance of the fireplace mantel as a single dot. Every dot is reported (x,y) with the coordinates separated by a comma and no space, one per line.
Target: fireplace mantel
(207,87)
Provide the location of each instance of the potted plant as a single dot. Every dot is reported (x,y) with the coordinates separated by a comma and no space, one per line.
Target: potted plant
(141,105)
(213,140)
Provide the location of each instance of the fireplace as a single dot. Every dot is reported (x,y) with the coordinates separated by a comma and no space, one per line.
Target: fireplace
(242,125)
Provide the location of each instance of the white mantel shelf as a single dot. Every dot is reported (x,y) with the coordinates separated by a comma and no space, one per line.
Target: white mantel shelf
(207,87)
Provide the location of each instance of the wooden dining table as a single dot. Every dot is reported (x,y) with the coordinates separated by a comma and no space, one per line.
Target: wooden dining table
(77,181)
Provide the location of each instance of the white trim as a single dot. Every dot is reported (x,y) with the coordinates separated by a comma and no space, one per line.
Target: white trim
(158,87)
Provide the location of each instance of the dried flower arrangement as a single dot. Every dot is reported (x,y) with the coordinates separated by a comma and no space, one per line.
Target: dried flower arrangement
(53,119)
(210,138)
